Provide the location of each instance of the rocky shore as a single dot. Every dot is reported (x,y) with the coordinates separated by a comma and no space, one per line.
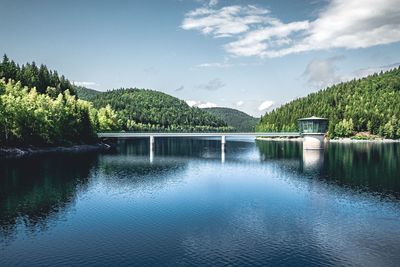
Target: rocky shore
(31,151)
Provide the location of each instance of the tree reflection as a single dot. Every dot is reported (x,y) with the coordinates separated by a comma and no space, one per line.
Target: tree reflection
(34,189)
(373,167)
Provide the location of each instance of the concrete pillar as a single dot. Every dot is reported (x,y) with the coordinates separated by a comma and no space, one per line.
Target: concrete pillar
(151,149)
(223,141)
(151,139)
(313,141)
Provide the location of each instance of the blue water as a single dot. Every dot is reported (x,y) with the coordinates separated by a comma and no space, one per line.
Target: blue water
(261,203)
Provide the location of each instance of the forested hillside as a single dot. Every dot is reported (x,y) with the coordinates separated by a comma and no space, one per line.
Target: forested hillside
(141,109)
(31,75)
(85,93)
(369,104)
(28,118)
(39,108)
(237,119)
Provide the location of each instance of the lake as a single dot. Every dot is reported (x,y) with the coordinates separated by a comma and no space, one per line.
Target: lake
(259,203)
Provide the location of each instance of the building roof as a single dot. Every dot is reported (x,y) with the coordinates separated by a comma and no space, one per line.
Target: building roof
(313,118)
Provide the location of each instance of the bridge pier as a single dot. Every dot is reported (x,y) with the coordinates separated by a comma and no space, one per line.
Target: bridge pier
(151,142)
(223,142)
(151,148)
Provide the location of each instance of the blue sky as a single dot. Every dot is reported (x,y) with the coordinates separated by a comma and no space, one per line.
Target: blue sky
(250,55)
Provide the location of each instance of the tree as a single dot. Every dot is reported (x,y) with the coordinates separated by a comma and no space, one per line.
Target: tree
(371,103)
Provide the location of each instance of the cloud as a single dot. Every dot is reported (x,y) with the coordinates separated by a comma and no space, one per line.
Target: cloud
(239,103)
(322,72)
(212,85)
(348,24)
(213,3)
(201,104)
(215,65)
(180,88)
(85,84)
(266,105)
(225,64)
(370,70)
(223,22)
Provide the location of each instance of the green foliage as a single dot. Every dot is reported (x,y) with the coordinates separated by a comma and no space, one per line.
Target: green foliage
(344,128)
(239,120)
(31,75)
(108,119)
(30,118)
(148,110)
(371,103)
(85,93)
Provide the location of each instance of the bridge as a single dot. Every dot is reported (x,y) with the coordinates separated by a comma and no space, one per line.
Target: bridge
(223,135)
(153,135)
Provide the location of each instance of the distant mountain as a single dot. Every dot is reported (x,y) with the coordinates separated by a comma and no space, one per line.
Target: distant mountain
(370,104)
(86,93)
(242,122)
(143,109)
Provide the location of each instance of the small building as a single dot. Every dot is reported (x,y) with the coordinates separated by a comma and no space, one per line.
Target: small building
(313,124)
(313,130)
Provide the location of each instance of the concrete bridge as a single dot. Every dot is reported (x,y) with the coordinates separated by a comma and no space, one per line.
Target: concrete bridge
(223,136)
(152,136)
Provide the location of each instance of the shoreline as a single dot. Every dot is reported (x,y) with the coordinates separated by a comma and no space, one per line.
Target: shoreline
(340,140)
(6,153)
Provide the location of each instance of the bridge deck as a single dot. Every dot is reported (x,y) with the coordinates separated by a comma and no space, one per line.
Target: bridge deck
(250,134)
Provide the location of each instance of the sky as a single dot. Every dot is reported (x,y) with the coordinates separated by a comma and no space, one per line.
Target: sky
(252,55)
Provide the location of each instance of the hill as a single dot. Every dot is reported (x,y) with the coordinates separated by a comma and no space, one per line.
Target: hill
(370,104)
(143,109)
(242,122)
(85,93)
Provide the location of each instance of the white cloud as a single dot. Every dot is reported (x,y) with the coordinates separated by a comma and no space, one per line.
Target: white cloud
(214,65)
(266,105)
(322,72)
(213,3)
(85,84)
(212,85)
(368,71)
(201,104)
(227,21)
(240,103)
(180,88)
(346,24)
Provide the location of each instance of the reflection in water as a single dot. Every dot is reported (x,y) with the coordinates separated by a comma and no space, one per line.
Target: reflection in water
(269,203)
(373,167)
(36,188)
(313,160)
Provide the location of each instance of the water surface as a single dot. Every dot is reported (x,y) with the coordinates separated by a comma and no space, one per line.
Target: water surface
(259,203)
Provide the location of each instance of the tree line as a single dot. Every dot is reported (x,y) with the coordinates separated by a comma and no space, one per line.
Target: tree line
(31,75)
(38,107)
(370,104)
(31,118)
(149,110)
(239,120)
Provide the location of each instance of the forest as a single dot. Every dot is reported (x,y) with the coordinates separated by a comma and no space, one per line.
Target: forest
(38,107)
(31,75)
(237,119)
(149,110)
(369,104)
(29,118)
